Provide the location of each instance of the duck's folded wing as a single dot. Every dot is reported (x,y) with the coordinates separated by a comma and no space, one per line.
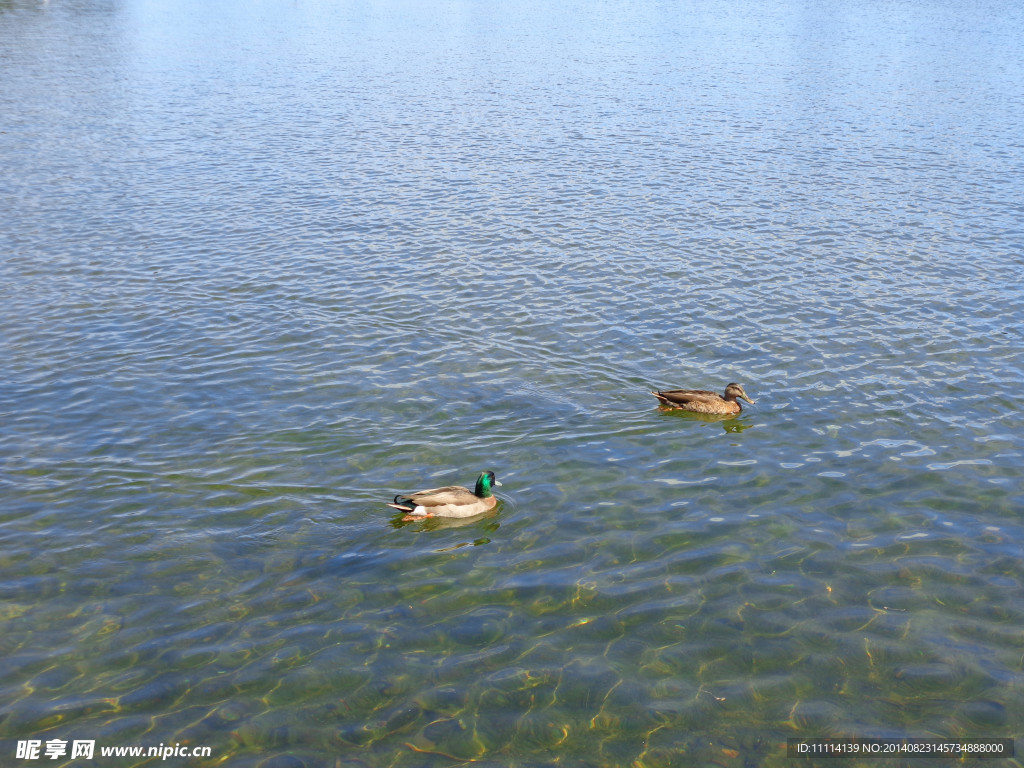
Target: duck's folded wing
(687,395)
(440,497)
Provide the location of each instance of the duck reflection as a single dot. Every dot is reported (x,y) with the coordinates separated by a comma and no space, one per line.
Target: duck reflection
(730,422)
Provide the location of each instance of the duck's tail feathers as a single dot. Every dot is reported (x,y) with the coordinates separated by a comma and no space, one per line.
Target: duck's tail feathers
(403,504)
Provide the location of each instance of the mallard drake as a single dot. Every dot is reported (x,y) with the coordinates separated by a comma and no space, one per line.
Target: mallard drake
(702,401)
(450,501)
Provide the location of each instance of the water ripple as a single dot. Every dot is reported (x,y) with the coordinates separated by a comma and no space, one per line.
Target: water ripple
(256,283)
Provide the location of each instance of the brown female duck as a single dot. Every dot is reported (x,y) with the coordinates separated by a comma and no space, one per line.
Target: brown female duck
(703,401)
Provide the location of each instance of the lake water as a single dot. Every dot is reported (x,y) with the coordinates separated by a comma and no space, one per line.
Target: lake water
(266,264)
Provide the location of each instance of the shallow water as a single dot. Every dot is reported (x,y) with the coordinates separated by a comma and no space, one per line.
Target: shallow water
(267,264)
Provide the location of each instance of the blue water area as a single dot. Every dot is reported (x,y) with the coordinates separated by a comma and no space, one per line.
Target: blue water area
(264,265)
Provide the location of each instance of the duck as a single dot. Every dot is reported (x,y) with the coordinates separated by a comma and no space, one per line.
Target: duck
(449,501)
(703,401)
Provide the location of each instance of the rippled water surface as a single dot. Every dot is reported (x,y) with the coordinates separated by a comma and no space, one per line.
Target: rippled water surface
(266,264)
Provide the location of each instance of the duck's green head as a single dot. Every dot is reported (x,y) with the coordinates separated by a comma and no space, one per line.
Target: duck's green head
(484,484)
(735,391)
